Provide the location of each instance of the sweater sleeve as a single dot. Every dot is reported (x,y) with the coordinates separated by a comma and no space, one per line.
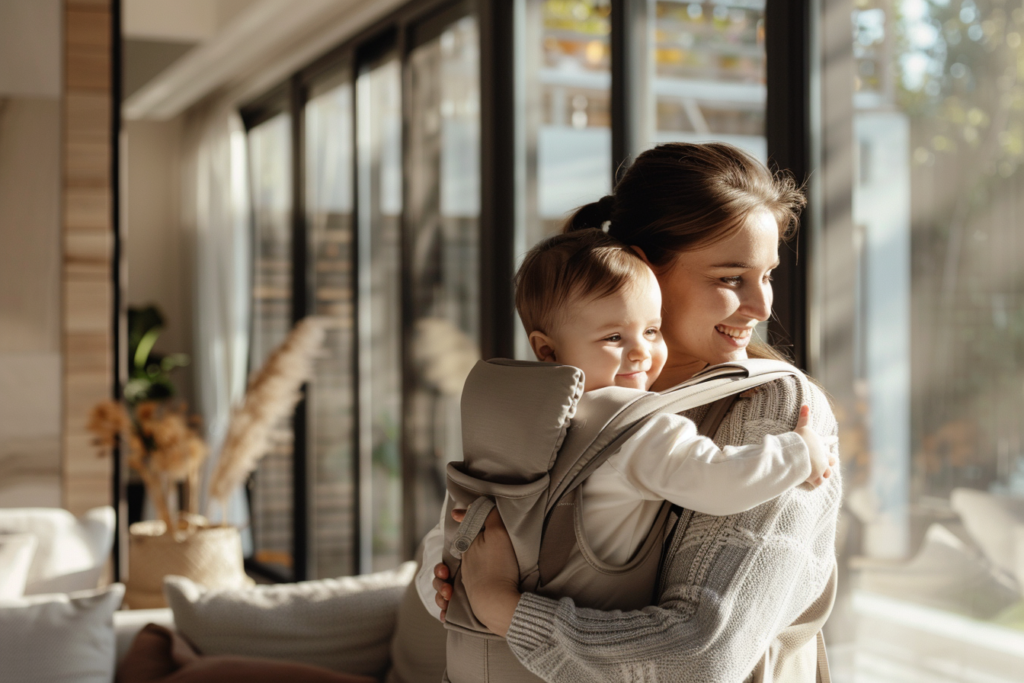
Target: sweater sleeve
(729,585)
(668,460)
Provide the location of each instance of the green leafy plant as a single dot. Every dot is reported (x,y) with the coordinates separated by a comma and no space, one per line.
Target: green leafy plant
(149,377)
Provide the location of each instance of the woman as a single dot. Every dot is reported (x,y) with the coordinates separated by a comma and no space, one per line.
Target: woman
(740,597)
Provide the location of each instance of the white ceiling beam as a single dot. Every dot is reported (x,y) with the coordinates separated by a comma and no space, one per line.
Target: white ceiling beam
(259,47)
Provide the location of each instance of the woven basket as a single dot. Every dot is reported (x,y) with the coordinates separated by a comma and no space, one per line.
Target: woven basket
(208,555)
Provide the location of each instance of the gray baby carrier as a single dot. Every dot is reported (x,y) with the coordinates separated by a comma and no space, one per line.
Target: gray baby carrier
(530,439)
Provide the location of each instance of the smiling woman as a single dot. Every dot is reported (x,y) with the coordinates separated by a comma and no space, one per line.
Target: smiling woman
(708,219)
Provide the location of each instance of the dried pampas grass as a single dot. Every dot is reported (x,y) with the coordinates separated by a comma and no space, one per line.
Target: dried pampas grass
(445,354)
(161,447)
(272,394)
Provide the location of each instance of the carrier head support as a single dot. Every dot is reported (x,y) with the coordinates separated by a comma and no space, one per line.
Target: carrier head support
(518,407)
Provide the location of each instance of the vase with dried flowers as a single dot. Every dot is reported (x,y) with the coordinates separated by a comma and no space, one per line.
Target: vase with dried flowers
(165,450)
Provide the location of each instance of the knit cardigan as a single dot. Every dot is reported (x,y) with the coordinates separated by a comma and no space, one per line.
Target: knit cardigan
(729,588)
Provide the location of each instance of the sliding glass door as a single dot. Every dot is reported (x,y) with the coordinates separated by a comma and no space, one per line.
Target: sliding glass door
(443,252)
(330,227)
(923,342)
(708,65)
(270,154)
(379,291)
(565,59)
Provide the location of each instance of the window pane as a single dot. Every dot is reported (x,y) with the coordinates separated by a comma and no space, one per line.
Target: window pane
(444,197)
(270,164)
(331,394)
(709,73)
(379,154)
(927,369)
(567,61)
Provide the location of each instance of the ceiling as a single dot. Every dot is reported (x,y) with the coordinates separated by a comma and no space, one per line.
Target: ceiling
(176,54)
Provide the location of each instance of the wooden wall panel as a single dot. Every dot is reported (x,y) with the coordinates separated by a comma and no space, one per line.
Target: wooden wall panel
(88,242)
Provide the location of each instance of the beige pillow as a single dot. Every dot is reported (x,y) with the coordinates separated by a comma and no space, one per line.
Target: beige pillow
(991,520)
(946,574)
(70,552)
(341,624)
(61,637)
(16,551)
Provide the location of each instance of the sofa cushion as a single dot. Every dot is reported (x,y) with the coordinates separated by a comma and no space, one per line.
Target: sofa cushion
(991,521)
(67,637)
(946,574)
(70,552)
(16,552)
(340,624)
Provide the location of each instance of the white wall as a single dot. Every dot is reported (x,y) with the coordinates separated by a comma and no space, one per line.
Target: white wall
(30,48)
(30,252)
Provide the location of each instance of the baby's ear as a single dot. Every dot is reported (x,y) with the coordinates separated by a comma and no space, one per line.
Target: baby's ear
(543,347)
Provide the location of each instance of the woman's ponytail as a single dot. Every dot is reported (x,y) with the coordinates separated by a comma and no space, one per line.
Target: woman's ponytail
(592,215)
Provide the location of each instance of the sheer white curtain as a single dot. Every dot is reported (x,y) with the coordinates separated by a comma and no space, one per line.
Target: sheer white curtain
(216,214)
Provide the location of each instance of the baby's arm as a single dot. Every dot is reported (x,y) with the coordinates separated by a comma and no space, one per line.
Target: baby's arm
(433,544)
(667,459)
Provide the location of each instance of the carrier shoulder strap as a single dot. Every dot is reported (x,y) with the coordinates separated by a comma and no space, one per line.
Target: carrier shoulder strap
(604,420)
(559,537)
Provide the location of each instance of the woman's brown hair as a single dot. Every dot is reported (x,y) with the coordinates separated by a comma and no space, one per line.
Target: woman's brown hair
(682,196)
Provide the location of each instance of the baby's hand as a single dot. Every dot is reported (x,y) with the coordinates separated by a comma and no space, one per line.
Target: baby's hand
(821,460)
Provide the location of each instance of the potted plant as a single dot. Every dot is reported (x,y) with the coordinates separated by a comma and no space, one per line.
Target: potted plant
(164,449)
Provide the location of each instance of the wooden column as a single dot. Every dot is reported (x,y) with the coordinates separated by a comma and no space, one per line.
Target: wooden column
(88,247)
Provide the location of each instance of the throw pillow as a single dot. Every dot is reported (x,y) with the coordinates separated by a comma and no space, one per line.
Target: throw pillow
(66,637)
(340,624)
(946,574)
(16,551)
(991,519)
(70,552)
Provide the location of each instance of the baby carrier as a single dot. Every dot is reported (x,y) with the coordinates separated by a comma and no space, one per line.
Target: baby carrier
(530,439)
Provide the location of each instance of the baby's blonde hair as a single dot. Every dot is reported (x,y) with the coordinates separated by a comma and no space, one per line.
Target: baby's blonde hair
(574,266)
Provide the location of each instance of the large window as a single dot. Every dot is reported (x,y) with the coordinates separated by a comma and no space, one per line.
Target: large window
(379,183)
(708,64)
(332,416)
(565,57)
(906,124)
(924,345)
(270,172)
(444,255)
(389,256)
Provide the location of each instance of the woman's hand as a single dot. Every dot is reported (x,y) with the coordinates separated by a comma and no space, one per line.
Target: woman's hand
(490,574)
(443,587)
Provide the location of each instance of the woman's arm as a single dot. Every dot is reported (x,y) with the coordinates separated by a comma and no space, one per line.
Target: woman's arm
(730,585)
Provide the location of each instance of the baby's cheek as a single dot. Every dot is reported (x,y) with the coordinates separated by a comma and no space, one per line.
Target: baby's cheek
(659,355)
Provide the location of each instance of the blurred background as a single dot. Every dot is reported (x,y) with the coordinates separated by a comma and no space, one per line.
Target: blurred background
(241,164)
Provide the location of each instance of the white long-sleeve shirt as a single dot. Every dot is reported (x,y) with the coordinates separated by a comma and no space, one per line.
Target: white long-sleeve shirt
(665,460)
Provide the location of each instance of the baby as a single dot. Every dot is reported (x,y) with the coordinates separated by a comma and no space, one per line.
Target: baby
(588,301)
